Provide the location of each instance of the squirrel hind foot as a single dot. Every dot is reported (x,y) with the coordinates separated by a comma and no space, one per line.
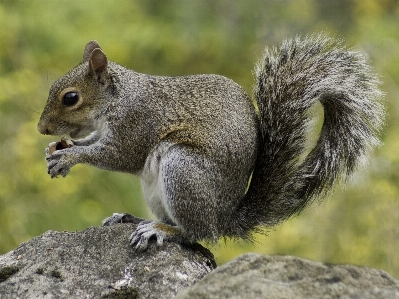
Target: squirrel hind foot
(118,218)
(153,230)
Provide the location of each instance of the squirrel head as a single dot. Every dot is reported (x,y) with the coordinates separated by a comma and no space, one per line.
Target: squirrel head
(76,100)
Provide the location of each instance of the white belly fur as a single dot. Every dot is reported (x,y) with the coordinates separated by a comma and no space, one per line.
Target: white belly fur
(153,184)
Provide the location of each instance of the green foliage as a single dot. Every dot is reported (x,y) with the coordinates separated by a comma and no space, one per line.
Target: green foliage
(42,39)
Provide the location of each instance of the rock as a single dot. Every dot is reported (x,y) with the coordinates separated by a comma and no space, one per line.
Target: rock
(99,263)
(277,277)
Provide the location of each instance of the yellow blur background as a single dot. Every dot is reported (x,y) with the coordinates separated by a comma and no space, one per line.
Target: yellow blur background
(40,40)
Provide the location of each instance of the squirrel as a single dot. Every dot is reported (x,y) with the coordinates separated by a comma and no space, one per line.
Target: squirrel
(212,161)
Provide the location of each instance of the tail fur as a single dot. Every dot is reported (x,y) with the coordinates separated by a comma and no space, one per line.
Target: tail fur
(290,79)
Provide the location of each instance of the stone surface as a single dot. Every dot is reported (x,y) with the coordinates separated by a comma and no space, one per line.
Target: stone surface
(99,263)
(278,277)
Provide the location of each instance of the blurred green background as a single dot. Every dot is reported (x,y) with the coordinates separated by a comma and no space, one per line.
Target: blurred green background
(40,40)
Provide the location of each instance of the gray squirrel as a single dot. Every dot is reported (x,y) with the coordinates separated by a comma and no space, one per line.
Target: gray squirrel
(214,163)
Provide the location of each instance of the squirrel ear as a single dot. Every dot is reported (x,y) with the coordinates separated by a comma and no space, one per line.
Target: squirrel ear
(91,45)
(98,61)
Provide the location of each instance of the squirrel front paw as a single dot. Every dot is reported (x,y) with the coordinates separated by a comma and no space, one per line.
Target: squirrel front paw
(58,163)
(153,229)
(58,159)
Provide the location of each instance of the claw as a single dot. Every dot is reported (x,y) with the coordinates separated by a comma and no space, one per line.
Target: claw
(51,164)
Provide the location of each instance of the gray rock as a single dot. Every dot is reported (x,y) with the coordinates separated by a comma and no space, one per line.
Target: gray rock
(278,277)
(99,263)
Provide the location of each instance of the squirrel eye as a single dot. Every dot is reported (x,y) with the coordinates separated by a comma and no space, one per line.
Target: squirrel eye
(70,98)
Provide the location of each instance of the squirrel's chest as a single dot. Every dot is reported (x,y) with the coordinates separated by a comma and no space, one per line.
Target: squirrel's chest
(152,182)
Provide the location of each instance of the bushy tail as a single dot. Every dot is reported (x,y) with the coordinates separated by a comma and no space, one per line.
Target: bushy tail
(290,79)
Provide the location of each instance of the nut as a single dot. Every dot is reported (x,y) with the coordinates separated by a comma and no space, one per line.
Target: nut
(55,146)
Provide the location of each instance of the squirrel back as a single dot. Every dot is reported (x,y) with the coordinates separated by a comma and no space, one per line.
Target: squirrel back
(289,80)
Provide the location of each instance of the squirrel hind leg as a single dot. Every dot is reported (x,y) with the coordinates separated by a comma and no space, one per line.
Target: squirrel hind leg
(199,194)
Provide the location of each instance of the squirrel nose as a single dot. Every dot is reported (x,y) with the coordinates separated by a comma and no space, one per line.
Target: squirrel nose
(43,129)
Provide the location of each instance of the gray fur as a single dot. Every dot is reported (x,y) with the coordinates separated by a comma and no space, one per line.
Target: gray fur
(290,79)
(195,140)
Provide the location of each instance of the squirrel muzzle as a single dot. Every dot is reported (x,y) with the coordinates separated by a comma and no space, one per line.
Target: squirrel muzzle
(43,128)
